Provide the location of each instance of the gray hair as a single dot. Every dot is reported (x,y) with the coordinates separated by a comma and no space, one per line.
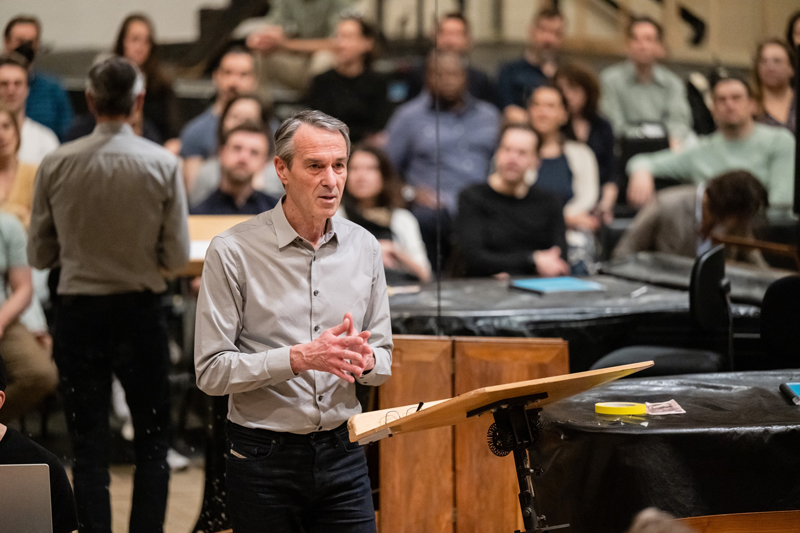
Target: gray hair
(284,137)
(114,83)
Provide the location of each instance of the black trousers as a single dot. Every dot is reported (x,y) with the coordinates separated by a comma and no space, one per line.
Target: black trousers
(287,483)
(123,334)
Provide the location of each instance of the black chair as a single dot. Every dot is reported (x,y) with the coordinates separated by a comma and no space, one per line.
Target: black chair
(711,335)
(780,322)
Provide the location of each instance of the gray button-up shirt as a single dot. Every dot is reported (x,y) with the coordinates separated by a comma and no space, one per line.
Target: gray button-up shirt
(110,208)
(266,289)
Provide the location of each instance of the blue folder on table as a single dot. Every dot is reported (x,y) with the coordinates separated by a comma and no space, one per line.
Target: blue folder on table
(549,285)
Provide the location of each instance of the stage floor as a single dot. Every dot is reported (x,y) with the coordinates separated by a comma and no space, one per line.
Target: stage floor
(183,505)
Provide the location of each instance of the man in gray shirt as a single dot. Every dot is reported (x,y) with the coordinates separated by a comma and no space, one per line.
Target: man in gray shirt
(293,309)
(110,209)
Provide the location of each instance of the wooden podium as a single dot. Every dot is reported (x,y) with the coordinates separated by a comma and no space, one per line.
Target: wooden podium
(515,407)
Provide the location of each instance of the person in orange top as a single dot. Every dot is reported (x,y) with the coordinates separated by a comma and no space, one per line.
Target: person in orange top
(16,177)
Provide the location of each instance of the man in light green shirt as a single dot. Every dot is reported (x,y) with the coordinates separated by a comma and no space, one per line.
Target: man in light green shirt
(642,98)
(738,144)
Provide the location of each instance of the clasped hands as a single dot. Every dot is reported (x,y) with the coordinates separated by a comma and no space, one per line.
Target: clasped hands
(343,356)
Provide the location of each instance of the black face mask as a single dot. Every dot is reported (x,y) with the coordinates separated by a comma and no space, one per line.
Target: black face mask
(26,50)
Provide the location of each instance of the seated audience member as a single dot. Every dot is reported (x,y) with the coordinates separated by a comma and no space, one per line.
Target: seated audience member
(774,73)
(467,139)
(32,374)
(372,198)
(352,91)
(16,449)
(48,103)
(517,79)
(235,74)
(136,42)
(793,30)
(242,154)
(453,34)
(585,125)
(16,177)
(36,140)
(642,98)
(242,108)
(738,143)
(683,220)
(506,227)
(296,44)
(567,169)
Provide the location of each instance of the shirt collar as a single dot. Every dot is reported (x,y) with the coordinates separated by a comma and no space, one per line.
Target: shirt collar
(286,234)
(469,103)
(113,128)
(659,76)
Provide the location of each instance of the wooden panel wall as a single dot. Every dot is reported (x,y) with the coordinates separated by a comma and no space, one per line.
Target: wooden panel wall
(486,485)
(416,471)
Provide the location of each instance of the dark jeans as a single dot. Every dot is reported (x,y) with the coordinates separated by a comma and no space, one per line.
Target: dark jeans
(123,334)
(282,482)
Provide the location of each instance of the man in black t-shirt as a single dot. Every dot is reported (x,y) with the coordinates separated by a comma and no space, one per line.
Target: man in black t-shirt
(16,449)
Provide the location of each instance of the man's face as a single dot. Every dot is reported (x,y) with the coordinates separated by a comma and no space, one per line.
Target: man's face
(644,47)
(235,75)
(447,78)
(315,181)
(243,155)
(546,35)
(732,108)
(13,87)
(21,33)
(516,155)
(453,36)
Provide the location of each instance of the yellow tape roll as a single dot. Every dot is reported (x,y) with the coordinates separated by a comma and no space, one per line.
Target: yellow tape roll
(620,408)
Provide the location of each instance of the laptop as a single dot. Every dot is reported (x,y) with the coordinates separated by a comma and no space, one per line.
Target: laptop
(25,499)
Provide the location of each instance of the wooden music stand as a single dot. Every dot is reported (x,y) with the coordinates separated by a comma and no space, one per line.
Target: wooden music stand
(515,407)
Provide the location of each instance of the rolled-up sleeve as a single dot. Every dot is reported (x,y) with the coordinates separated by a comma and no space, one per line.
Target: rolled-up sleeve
(221,368)
(378,322)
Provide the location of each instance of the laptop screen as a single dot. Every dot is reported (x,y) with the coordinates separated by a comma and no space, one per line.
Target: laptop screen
(25,499)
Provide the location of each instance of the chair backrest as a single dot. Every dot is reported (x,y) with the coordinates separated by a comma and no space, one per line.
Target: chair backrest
(709,291)
(780,316)
(768,522)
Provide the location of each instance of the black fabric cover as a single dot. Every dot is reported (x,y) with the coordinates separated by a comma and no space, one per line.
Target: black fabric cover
(594,323)
(668,361)
(748,285)
(737,449)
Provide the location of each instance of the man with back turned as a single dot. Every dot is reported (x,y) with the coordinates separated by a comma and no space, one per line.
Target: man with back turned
(110,209)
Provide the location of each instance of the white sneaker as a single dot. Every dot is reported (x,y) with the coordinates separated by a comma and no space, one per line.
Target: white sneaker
(177,461)
(127,430)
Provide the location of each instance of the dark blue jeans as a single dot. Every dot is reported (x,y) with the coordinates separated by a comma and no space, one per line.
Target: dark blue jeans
(123,334)
(286,483)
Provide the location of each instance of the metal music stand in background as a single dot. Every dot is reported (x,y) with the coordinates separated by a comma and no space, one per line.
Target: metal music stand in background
(515,407)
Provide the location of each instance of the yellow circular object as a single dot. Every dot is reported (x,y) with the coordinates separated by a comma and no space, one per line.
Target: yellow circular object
(620,408)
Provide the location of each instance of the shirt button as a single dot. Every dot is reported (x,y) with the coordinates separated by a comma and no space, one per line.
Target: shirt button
(316,328)
(319,398)
(316,293)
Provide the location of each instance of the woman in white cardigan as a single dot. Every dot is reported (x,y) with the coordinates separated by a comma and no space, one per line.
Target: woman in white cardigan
(568,168)
(372,199)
